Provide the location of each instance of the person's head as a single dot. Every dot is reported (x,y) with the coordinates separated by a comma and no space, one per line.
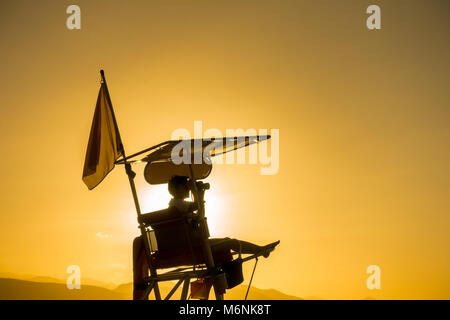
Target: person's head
(178,187)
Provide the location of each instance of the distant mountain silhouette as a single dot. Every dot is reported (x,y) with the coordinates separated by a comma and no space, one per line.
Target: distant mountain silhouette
(237,293)
(13,289)
(46,279)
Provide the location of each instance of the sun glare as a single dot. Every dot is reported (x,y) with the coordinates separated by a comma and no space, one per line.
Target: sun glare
(154,198)
(157,197)
(214,209)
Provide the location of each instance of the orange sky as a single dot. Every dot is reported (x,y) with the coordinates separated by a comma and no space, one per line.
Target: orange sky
(363,119)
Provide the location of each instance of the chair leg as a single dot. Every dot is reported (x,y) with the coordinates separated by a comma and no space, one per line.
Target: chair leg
(219,296)
(147,291)
(156,286)
(157,293)
(140,271)
(220,285)
(174,289)
(185,289)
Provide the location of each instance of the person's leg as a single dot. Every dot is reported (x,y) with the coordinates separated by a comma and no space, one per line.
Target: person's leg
(242,246)
(235,245)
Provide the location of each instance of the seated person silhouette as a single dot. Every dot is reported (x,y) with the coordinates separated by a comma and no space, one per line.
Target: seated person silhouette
(179,187)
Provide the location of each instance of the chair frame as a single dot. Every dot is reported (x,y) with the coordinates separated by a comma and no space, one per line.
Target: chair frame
(183,274)
(210,270)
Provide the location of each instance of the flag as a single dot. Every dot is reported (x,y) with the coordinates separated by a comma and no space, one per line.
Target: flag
(104,146)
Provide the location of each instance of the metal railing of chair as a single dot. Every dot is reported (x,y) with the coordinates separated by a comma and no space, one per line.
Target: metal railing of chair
(178,275)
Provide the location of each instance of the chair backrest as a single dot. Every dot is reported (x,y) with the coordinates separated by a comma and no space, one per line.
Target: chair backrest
(173,230)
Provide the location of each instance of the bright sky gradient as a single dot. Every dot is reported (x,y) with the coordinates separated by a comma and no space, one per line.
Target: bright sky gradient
(364,135)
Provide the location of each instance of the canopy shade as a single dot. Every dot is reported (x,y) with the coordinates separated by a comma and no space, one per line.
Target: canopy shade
(198,148)
(161,165)
(159,172)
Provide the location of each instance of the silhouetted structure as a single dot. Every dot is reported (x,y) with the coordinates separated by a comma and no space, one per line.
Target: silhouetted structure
(177,237)
(173,237)
(180,243)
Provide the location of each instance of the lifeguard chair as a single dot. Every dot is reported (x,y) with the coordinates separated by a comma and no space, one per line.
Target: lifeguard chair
(171,241)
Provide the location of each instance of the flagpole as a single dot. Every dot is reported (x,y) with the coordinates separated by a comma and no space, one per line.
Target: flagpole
(131,176)
(128,170)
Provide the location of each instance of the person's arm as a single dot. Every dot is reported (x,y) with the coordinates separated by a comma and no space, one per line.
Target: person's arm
(190,209)
(198,198)
(193,206)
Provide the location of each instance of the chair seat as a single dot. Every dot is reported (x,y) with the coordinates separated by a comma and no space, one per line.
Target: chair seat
(182,257)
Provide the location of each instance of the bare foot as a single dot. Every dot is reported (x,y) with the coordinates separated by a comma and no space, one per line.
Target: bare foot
(269,248)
